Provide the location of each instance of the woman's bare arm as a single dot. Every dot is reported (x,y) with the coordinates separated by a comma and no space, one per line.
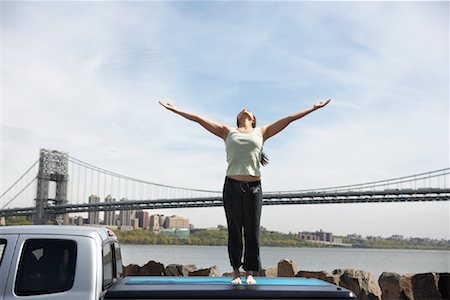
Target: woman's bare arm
(213,127)
(270,130)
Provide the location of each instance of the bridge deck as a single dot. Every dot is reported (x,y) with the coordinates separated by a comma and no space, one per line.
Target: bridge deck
(395,195)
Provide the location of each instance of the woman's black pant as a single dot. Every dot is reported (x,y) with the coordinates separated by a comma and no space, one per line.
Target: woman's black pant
(242,202)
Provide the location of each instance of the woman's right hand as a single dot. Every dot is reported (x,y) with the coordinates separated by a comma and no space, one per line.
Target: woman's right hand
(167,105)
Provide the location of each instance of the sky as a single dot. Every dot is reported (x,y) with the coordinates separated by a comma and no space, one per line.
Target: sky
(85,78)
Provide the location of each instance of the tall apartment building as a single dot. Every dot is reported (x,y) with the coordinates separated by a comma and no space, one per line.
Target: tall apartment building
(143,218)
(325,236)
(158,222)
(162,221)
(175,222)
(94,216)
(110,216)
(79,221)
(316,236)
(154,223)
(125,216)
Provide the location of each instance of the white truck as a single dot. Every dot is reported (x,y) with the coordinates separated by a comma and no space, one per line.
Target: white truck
(84,263)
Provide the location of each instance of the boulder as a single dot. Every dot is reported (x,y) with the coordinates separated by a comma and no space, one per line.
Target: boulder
(271,272)
(230,274)
(179,270)
(444,285)
(131,270)
(188,268)
(322,275)
(390,286)
(152,268)
(287,268)
(209,272)
(412,286)
(261,273)
(406,287)
(173,270)
(362,283)
(425,286)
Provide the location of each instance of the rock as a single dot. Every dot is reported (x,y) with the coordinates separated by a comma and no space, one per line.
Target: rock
(188,268)
(444,285)
(406,287)
(322,275)
(410,286)
(271,272)
(425,286)
(179,270)
(362,283)
(390,286)
(209,272)
(131,270)
(173,270)
(243,274)
(152,268)
(261,273)
(287,268)
(230,274)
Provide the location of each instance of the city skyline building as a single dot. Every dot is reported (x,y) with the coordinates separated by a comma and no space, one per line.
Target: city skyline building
(125,217)
(316,236)
(143,218)
(94,216)
(110,216)
(169,225)
(176,222)
(154,223)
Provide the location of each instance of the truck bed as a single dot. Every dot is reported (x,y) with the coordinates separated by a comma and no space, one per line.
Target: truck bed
(221,288)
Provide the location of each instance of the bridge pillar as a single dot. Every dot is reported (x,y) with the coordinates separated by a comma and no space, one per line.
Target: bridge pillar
(53,166)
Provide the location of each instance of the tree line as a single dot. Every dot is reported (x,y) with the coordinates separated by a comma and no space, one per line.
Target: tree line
(205,237)
(219,237)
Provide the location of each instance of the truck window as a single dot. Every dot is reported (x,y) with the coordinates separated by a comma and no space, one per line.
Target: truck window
(118,259)
(46,266)
(108,265)
(112,263)
(2,249)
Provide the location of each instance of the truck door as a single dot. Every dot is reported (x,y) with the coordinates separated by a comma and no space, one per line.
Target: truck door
(7,245)
(46,267)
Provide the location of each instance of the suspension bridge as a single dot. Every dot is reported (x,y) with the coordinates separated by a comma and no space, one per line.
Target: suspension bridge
(58,184)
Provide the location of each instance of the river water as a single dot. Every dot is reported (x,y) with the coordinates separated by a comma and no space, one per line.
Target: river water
(311,259)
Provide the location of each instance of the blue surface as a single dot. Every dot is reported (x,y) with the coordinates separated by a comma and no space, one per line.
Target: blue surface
(224,280)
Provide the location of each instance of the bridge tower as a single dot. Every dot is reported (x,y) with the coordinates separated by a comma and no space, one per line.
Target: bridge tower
(53,166)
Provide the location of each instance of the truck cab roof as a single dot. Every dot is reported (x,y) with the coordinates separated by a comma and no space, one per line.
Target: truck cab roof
(104,234)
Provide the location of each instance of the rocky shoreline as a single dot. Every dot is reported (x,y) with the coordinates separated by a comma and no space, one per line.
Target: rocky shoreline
(389,286)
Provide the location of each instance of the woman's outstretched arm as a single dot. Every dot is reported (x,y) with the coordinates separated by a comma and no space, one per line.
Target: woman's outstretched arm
(213,127)
(270,130)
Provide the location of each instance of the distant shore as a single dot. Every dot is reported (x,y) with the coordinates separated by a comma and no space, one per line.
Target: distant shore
(268,239)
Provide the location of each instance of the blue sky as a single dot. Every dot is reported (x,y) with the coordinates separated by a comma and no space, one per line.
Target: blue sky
(85,77)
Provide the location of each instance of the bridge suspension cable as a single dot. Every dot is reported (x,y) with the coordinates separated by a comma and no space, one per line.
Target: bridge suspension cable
(87,179)
(94,168)
(21,187)
(386,183)
(19,193)
(20,178)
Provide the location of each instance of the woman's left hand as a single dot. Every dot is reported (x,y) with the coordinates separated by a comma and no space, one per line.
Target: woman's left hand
(322,103)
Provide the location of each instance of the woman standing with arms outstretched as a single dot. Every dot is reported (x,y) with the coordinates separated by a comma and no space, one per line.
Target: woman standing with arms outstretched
(242,193)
